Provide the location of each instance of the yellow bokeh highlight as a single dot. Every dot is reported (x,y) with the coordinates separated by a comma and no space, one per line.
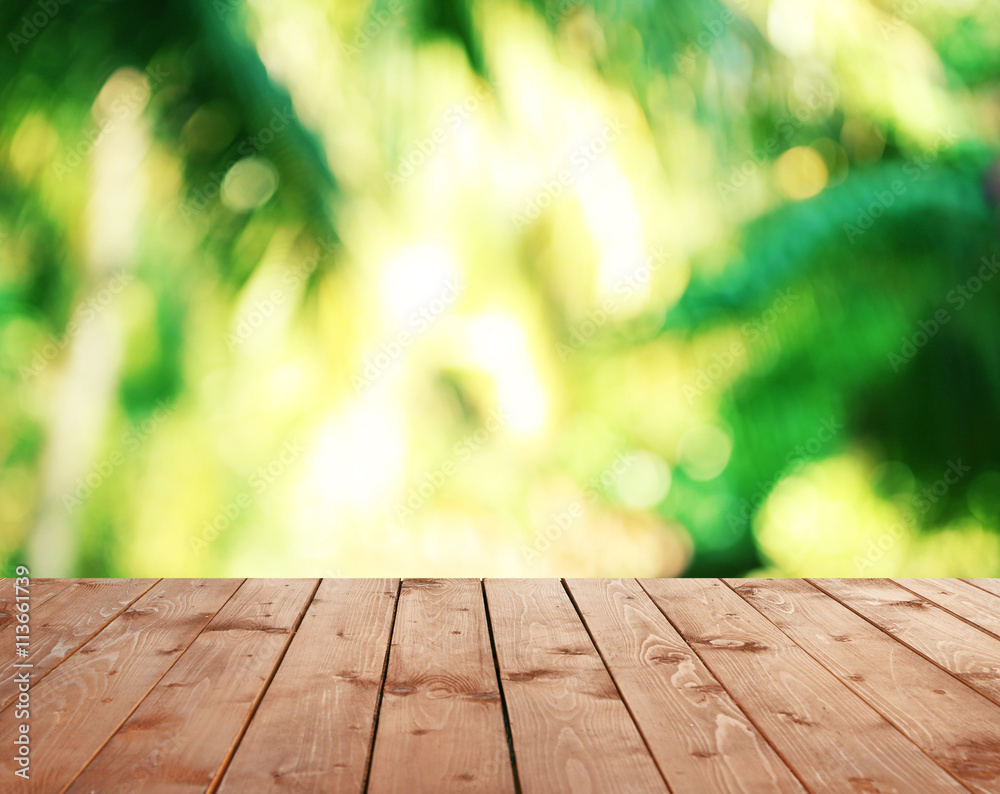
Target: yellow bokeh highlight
(800,173)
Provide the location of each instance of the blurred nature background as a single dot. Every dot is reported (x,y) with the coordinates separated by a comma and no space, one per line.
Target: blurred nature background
(485,287)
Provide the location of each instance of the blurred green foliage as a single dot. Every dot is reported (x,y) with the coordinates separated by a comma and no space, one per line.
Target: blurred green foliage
(442,287)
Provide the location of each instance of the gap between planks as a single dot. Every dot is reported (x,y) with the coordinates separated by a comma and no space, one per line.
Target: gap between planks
(614,681)
(957,590)
(931,604)
(822,727)
(503,694)
(228,758)
(934,732)
(691,760)
(910,636)
(381,689)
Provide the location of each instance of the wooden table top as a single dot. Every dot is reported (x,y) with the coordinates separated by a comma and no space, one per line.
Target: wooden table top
(502,685)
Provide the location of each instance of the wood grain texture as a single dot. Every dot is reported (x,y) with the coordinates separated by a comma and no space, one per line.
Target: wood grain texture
(960,598)
(313,729)
(835,741)
(83,701)
(610,685)
(570,729)
(989,585)
(40,591)
(970,654)
(187,726)
(441,726)
(954,725)
(699,737)
(67,620)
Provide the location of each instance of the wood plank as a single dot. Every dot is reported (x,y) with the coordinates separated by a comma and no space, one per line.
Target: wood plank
(989,585)
(197,712)
(955,726)
(960,598)
(970,654)
(40,591)
(699,737)
(570,729)
(66,621)
(313,730)
(441,726)
(84,700)
(833,740)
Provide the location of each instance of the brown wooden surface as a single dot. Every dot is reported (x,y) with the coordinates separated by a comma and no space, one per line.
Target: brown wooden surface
(40,591)
(77,708)
(956,726)
(989,585)
(964,650)
(313,730)
(833,739)
(198,709)
(969,602)
(570,729)
(67,620)
(444,685)
(441,724)
(695,730)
